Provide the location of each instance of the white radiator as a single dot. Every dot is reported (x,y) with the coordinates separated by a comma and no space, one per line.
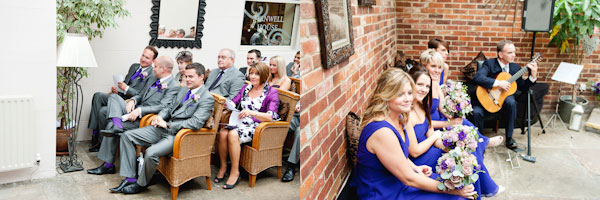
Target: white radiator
(17,141)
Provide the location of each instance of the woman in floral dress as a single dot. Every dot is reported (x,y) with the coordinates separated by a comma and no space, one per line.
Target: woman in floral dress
(257,102)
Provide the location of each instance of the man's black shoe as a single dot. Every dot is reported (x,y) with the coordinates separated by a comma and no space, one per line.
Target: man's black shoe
(121,186)
(94,148)
(114,130)
(102,170)
(289,174)
(511,144)
(132,188)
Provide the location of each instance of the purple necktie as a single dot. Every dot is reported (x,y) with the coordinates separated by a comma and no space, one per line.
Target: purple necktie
(216,81)
(139,71)
(157,84)
(187,96)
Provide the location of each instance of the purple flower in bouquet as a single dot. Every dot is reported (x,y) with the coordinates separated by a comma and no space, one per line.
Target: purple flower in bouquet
(457,169)
(463,137)
(456,102)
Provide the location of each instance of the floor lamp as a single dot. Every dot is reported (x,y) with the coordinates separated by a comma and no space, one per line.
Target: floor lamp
(74,52)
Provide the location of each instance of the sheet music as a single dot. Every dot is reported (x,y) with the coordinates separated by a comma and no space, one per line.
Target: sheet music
(116,80)
(230,105)
(567,73)
(234,119)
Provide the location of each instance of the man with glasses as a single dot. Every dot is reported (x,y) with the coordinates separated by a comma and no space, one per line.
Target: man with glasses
(226,81)
(134,81)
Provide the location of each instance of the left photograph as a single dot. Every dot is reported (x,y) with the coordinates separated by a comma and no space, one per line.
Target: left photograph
(153,99)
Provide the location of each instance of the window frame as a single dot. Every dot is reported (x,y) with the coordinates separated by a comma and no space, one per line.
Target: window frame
(295,41)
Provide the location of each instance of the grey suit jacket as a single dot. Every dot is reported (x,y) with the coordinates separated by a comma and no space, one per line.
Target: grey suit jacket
(137,84)
(230,83)
(190,114)
(288,69)
(150,100)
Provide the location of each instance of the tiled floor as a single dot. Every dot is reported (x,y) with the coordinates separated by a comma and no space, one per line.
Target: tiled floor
(567,165)
(80,185)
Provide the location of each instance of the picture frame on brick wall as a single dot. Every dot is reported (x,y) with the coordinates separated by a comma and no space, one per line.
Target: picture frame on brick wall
(367,2)
(334,19)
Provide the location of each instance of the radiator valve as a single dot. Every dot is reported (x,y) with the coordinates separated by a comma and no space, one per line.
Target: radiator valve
(38,158)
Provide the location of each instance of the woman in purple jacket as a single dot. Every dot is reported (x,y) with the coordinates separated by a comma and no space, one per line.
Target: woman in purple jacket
(258,102)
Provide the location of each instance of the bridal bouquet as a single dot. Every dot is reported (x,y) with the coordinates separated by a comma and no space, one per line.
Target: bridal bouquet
(460,137)
(457,169)
(457,102)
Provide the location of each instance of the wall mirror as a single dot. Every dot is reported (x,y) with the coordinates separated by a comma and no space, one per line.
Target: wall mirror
(177,24)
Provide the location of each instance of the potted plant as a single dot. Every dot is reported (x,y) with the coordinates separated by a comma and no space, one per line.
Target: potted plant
(574,22)
(89,17)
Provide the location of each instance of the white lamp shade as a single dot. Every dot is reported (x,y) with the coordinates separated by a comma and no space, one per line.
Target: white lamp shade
(75,51)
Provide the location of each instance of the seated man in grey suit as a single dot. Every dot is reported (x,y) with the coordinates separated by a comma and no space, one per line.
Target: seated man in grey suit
(156,95)
(190,109)
(134,81)
(293,68)
(253,57)
(226,81)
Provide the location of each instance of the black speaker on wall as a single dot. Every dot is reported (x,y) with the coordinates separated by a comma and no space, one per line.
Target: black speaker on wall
(537,15)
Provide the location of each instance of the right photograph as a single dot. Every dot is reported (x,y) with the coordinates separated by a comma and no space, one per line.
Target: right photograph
(449,99)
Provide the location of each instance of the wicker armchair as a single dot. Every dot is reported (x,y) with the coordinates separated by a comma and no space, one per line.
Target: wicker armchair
(296,85)
(267,144)
(191,150)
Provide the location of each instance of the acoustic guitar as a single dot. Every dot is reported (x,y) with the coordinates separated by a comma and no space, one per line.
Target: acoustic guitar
(493,99)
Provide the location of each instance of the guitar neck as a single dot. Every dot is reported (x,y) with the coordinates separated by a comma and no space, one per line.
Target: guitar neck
(537,57)
(517,75)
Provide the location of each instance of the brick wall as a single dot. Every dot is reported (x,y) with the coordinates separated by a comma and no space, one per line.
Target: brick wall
(328,95)
(471,27)
(380,31)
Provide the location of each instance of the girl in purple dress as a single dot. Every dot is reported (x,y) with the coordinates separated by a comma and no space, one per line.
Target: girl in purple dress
(442,47)
(439,120)
(383,168)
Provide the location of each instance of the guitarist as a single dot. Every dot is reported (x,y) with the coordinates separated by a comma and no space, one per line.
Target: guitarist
(485,77)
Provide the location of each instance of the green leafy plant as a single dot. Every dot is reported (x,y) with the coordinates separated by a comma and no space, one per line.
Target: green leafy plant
(89,17)
(572,21)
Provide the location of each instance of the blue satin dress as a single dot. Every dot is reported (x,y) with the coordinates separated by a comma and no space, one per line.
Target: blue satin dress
(374,181)
(488,186)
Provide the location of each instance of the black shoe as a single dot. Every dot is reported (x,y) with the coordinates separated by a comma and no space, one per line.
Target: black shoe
(219,180)
(119,188)
(227,186)
(102,170)
(511,144)
(132,188)
(114,130)
(289,174)
(94,148)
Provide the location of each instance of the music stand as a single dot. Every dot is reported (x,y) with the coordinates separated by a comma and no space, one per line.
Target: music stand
(565,73)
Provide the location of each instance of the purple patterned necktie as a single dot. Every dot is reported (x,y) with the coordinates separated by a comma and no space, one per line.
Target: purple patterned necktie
(157,84)
(216,81)
(139,71)
(187,96)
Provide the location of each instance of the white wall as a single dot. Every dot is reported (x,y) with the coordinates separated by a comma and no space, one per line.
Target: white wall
(121,47)
(28,67)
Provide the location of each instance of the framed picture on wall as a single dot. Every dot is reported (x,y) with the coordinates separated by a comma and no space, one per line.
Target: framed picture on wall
(366,2)
(334,20)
